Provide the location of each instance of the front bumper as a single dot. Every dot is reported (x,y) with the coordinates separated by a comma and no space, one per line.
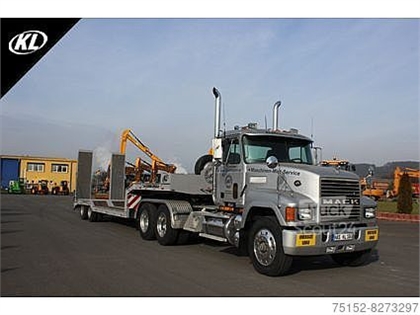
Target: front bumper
(321,241)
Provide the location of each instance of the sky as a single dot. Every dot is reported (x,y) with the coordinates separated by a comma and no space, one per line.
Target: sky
(351,83)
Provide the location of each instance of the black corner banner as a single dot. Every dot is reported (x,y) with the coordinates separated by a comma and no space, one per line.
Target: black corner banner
(24,42)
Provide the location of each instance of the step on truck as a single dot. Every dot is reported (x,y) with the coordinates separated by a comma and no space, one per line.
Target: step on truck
(259,190)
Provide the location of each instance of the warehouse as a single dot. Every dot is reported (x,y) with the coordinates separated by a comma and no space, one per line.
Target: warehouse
(32,170)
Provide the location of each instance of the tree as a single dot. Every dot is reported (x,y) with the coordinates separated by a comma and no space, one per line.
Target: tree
(405,200)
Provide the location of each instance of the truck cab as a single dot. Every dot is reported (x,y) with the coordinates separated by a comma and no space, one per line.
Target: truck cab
(287,206)
(249,154)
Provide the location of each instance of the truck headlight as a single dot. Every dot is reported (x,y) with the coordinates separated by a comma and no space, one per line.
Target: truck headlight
(370,213)
(305,214)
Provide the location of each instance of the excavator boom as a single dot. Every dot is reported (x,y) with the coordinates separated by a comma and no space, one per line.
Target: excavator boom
(156,163)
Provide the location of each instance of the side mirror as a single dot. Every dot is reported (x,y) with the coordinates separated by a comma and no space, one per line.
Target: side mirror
(217,149)
(272,162)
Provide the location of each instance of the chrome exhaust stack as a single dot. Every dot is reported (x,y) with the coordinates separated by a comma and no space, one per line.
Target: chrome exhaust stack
(276,115)
(218,133)
(217,113)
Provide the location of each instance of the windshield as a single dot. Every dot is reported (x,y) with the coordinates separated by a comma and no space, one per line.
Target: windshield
(287,150)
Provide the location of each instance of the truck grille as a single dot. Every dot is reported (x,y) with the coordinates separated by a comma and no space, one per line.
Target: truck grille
(340,200)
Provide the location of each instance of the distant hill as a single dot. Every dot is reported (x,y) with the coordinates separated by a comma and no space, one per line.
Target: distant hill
(385,171)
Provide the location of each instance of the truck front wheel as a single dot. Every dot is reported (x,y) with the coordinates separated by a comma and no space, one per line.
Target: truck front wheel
(165,234)
(265,248)
(147,221)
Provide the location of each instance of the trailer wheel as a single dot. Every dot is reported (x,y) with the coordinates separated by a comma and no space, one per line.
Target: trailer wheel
(83,212)
(352,259)
(165,234)
(92,215)
(265,248)
(146,221)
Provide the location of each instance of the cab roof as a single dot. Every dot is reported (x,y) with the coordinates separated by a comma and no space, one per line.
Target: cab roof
(250,130)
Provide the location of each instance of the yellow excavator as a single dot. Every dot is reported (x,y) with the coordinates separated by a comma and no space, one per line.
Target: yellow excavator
(414,175)
(374,188)
(140,165)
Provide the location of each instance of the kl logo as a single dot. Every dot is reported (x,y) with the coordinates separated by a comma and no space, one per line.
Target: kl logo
(27,42)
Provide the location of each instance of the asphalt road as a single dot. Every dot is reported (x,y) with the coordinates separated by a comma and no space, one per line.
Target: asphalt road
(47,250)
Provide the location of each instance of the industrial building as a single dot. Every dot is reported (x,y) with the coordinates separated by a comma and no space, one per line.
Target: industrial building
(32,170)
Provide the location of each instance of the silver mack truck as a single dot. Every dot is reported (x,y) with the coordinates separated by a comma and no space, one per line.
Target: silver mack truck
(259,191)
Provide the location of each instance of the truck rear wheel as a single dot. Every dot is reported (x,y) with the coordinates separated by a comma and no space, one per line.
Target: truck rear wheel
(352,259)
(265,248)
(165,234)
(183,237)
(146,221)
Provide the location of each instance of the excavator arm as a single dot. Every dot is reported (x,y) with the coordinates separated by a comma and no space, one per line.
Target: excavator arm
(156,163)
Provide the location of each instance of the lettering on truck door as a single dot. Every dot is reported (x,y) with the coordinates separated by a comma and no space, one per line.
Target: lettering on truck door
(230,173)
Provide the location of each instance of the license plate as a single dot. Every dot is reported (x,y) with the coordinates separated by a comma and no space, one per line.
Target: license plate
(371,235)
(343,237)
(305,240)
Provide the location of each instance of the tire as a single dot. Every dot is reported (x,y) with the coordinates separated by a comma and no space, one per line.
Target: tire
(83,213)
(243,243)
(352,259)
(201,162)
(183,237)
(92,215)
(265,248)
(164,232)
(146,221)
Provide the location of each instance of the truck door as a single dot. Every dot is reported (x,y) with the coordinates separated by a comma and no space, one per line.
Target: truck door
(230,174)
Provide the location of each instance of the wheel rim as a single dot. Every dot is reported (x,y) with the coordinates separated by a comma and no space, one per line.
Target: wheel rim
(144,221)
(82,211)
(265,247)
(161,225)
(89,213)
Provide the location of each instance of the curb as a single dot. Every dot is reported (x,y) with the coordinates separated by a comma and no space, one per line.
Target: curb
(401,217)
